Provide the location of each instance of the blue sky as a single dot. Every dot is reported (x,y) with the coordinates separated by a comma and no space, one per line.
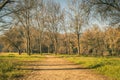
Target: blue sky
(62,2)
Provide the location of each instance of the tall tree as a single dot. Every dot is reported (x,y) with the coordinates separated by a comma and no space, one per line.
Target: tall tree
(40,19)
(78,16)
(24,17)
(55,16)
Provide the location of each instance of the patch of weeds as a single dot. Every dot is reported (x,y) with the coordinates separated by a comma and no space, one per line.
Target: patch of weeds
(6,66)
(15,74)
(3,76)
(110,70)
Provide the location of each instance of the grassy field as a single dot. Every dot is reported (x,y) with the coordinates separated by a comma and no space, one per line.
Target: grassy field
(108,66)
(10,65)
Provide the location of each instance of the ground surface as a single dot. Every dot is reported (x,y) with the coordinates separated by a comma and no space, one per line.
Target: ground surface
(55,68)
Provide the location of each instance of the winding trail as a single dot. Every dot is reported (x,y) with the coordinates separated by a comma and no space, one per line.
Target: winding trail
(55,68)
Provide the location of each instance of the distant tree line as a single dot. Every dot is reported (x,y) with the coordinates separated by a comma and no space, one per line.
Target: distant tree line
(93,41)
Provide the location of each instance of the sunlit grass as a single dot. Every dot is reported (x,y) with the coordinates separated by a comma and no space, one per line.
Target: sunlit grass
(24,56)
(108,66)
(10,65)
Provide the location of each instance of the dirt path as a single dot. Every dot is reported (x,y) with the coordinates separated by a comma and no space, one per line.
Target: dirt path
(54,68)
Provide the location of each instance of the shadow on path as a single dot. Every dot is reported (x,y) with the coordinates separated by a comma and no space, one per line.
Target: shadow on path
(35,69)
(49,64)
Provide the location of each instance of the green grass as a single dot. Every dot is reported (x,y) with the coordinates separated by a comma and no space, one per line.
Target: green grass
(10,65)
(108,66)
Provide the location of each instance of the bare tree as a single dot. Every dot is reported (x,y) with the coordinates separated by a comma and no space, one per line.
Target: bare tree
(77,16)
(24,18)
(40,19)
(13,38)
(55,17)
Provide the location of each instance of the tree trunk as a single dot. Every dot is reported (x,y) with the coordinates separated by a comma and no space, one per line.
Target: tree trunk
(28,33)
(40,46)
(48,49)
(19,51)
(78,36)
(69,46)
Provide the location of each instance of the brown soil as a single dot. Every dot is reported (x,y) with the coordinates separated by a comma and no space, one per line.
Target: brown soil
(55,68)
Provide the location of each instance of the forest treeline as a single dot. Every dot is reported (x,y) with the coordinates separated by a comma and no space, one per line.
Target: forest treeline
(93,41)
(47,26)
